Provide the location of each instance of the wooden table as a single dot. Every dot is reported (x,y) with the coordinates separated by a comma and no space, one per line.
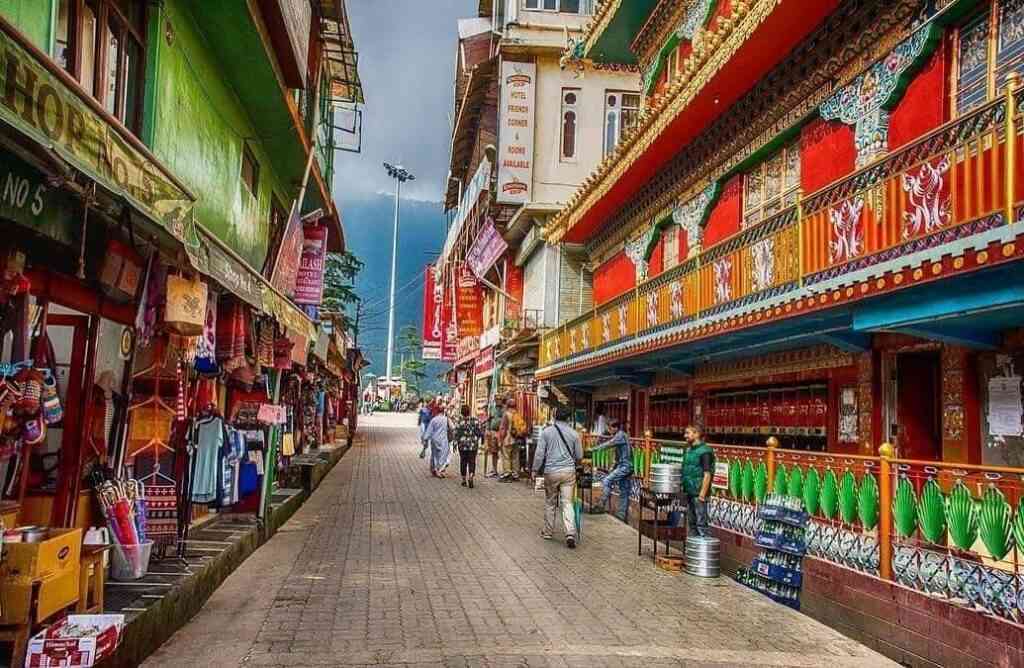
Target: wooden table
(92,579)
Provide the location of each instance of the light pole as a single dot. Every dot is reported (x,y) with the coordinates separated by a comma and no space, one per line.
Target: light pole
(400,175)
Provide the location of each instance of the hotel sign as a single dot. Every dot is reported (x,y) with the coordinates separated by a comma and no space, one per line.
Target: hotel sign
(516,133)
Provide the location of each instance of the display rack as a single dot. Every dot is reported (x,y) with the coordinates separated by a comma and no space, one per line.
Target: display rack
(777,571)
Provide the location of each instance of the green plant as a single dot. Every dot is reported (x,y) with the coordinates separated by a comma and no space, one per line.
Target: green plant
(780,484)
(735,481)
(994,523)
(796,482)
(867,502)
(830,495)
(931,512)
(748,481)
(1018,525)
(812,490)
(760,482)
(962,516)
(904,508)
(848,497)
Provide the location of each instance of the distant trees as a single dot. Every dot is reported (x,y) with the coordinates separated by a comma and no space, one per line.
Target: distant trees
(340,271)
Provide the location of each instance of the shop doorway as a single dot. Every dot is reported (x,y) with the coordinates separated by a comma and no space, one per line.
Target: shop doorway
(914,395)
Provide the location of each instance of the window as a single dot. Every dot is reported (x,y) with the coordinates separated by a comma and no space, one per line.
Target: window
(569,6)
(570,123)
(983,62)
(250,171)
(101,43)
(621,111)
(771,186)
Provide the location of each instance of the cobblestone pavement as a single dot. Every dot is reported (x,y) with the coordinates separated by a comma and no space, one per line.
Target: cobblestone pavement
(387,566)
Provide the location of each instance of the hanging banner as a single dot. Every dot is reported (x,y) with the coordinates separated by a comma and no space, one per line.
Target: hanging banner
(40,101)
(286,268)
(514,287)
(433,315)
(449,329)
(309,280)
(469,304)
(484,365)
(516,133)
(485,251)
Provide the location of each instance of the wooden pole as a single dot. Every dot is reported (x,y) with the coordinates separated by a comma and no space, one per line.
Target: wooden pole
(886,452)
(772,444)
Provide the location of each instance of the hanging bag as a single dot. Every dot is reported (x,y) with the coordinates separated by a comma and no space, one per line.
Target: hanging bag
(185,312)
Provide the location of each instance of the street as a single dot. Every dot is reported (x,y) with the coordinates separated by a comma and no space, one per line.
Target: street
(385,565)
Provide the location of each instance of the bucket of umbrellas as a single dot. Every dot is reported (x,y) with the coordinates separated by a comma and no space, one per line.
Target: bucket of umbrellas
(125,511)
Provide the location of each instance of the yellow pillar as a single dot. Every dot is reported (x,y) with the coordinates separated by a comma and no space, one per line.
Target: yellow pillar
(772,444)
(1012,83)
(885,452)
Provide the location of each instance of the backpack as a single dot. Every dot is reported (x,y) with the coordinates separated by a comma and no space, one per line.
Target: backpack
(518,425)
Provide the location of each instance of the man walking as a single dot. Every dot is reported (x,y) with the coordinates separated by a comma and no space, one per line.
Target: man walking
(622,473)
(698,467)
(511,435)
(422,420)
(491,442)
(558,452)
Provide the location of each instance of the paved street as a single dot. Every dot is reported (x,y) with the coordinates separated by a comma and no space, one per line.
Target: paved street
(386,566)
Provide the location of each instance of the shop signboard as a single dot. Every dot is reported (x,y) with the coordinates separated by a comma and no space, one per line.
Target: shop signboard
(514,287)
(27,200)
(449,329)
(720,480)
(286,267)
(516,132)
(433,320)
(484,366)
(40,101)
(490,338)
(309,280)
(486,250)
(234,274)
(467,349)
(469,304)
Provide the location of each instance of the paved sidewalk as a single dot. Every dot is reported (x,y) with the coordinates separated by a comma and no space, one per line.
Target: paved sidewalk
(385,565)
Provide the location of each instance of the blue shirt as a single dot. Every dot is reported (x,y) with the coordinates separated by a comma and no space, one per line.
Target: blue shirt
(623,451)
(437,431)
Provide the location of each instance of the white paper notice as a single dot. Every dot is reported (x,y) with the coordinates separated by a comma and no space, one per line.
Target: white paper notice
(1005,413)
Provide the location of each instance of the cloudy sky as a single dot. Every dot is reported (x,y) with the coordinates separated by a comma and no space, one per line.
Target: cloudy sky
(406,62)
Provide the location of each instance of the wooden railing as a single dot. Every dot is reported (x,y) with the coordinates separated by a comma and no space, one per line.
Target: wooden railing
(954,182)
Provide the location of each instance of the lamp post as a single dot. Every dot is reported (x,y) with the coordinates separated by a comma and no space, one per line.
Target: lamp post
(400,175)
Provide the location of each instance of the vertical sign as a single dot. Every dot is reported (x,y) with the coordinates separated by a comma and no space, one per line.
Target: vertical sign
(433,315)
(286,269)
(449,328)
(309,281)
(514,288)
(468,304)
(516,133)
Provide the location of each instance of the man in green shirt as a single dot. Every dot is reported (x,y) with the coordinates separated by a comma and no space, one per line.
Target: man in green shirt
(698,467)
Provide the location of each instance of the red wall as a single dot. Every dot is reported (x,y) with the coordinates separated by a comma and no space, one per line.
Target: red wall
(924,105)
(827,153)
(656,264)
(724,220)
(614,277)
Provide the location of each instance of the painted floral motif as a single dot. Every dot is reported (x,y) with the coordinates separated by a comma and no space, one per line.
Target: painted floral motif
(652,309)
(584,337)
(695,19)
(763,253)
(723,280)
(862,103)
(606,327)
(623,321)
(677,299)
(929,205)
(847,239)
(690,216)
(636,251)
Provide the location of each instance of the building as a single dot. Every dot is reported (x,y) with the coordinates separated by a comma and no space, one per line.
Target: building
(527,132)
(176,148)
(813,233)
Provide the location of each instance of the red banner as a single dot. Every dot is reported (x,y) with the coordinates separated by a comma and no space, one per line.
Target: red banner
(469,304)
(433,316)
(450,332)
(514,287)
(309,282)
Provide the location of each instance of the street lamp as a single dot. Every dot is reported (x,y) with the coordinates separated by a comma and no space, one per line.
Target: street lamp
(400,175)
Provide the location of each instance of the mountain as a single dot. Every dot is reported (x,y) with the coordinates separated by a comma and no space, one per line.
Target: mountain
(368,226)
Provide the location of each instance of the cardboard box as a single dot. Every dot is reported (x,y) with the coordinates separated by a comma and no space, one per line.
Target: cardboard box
(53,647)
(59,553)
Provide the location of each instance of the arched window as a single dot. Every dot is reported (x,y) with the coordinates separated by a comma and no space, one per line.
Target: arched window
(570,100)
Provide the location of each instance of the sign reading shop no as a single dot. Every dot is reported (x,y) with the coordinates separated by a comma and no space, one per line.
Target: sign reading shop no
(515,148)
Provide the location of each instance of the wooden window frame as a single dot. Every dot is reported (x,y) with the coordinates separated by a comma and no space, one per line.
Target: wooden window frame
(248,156)
(785,193)
(994,9)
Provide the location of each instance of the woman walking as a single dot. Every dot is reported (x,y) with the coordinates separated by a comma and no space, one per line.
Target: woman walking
(437,436)
(467,435)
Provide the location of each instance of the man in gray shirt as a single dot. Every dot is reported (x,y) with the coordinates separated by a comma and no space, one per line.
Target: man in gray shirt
(558,451)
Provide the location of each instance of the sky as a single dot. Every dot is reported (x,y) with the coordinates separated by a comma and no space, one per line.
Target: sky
(406,62)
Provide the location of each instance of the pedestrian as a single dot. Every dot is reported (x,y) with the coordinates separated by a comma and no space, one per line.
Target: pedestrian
(437,435)
(698,467)
(511,435)
(422,420)
(467,436)
(622,473)
(600,424)
(491,443)
(558,452)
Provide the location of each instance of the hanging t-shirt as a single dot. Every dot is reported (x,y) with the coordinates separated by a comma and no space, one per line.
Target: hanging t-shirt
(208,440)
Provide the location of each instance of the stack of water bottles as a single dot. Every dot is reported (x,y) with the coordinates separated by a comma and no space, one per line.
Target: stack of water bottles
(777,572)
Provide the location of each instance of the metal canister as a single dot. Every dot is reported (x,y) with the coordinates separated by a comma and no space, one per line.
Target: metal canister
(703,556)
(666,478)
